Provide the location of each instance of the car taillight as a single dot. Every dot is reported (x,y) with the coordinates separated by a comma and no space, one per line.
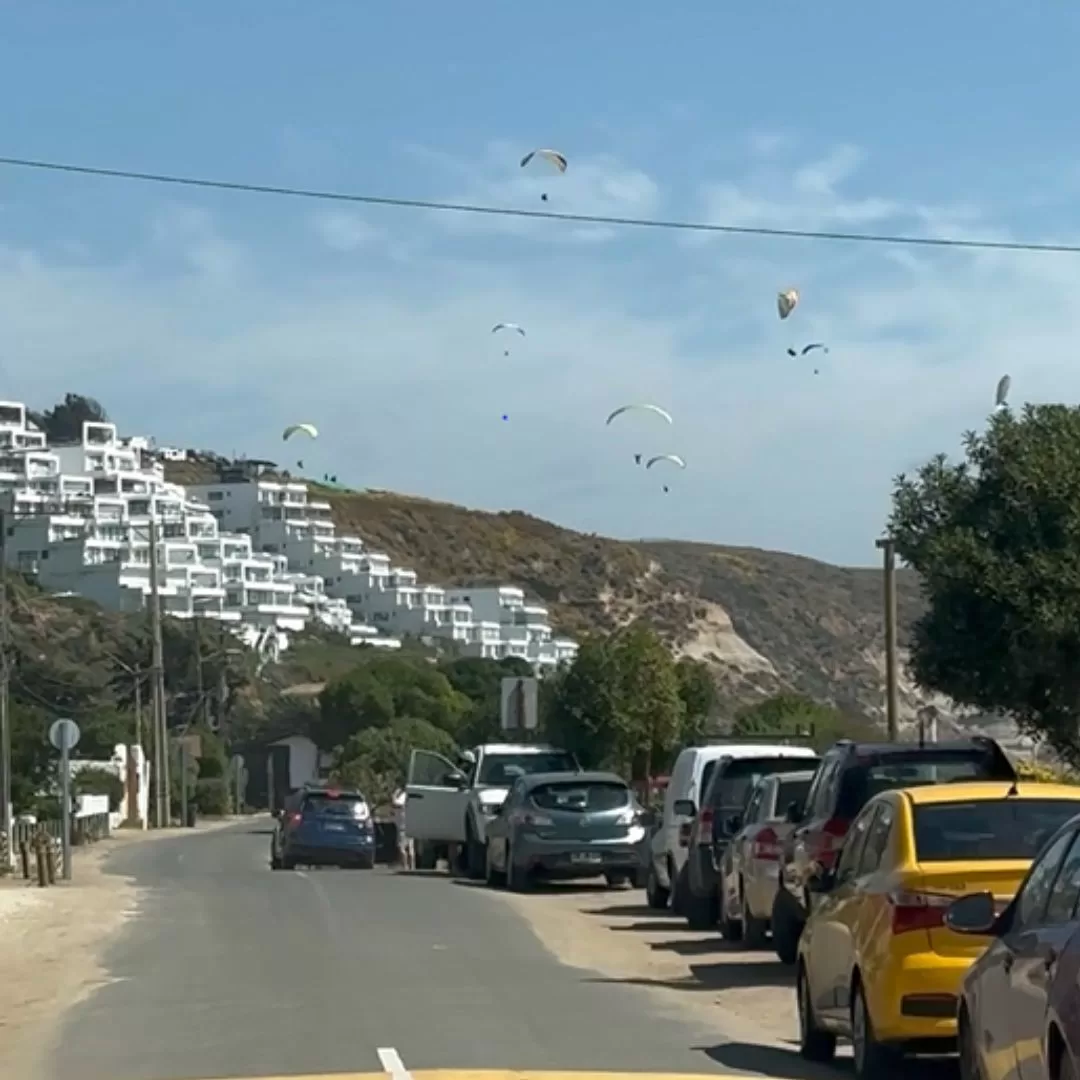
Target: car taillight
(295,817)
(705,825)
(917,910)
(766,846)
(529,818)
(829,841)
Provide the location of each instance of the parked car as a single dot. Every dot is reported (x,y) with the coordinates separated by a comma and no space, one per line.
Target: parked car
(849,775)
(723,799)
(877,962)
(448,806)
(324,826)
(556,825)
(750,872)
(1019,1011)
(669,846)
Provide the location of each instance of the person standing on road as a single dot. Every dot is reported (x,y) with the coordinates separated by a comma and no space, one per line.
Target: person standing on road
(405,850)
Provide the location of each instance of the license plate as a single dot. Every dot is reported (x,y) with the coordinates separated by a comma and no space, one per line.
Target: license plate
(586,857)
(333,827)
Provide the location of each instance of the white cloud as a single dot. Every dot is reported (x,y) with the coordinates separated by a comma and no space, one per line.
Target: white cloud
(343,231)
(398,367)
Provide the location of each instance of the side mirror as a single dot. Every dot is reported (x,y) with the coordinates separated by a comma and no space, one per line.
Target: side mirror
(972,914)
(734,824)
(821,879)
(685,808)
(793,814)
(457,780)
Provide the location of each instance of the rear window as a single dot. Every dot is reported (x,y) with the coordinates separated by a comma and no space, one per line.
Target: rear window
(731,788)
(501,770)
(916,768)
(350,806)
(593,797)
(1004,829)
(791,791)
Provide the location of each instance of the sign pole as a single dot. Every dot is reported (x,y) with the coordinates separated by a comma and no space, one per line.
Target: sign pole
(65,807)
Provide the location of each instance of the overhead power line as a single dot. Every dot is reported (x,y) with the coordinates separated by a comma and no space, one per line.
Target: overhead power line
(540,215)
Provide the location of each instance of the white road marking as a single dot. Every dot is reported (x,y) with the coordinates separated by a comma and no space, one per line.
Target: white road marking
(391,1062)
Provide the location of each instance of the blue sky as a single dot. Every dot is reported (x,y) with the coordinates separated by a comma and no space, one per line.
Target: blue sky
(213,319)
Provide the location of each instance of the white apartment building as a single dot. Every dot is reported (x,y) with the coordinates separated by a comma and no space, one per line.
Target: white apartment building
(283,521)
(78,519)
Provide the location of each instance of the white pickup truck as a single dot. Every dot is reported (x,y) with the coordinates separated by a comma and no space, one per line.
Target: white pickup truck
(448,805)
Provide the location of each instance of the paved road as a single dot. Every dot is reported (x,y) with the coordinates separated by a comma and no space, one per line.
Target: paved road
(234,971)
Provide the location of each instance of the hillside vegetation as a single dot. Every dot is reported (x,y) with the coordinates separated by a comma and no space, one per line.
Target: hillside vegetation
(764,621)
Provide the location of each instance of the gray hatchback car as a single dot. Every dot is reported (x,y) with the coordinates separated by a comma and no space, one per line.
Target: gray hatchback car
(568,825)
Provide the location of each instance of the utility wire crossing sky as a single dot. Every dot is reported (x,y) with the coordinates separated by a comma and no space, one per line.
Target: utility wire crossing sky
(549,215)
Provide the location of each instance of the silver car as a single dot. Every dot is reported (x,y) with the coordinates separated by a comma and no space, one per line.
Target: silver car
(567,825)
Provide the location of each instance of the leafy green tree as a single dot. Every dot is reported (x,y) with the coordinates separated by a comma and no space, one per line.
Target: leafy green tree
(63,422)
(376,759)
(350,705)
(582,707)
(480,680)
(697,688)
(797,716)
(995,539)
(651,707)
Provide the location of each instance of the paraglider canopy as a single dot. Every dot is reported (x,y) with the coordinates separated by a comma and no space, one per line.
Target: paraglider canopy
(786,302)
(308,429)
(551,157)
(508,326)
(673,458)
(1001,396)
(646,408)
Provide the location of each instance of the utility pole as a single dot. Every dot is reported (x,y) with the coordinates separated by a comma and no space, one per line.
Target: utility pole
(201,710)
(5,682)
(892,707)
(223,686)
(161,726)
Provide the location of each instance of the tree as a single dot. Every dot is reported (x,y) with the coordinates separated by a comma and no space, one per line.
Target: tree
(794,716)
(698,692)
(996,541)
(480,680)
(63,423)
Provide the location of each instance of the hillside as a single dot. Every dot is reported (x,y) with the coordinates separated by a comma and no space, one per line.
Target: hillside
(764,620)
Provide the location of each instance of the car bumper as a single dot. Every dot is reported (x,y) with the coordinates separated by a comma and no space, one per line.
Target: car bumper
(566,858)
(918,998)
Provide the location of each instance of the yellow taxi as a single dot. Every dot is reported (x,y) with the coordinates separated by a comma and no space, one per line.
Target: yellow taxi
(876,963)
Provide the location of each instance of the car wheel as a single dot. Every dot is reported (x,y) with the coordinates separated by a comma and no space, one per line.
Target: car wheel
(702,912)
(753,928)
(495,878)
(814,1044)
(786,928)
(680,888)
(365,862)
(656,896)
(731,929)
(474,854)
(517,878)
(275,862)
(616,881)
(1066,1070)
(287,863)
(426,855)
(969,1056)
(872,1058)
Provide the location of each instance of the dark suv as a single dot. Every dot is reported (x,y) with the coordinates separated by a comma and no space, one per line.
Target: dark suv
(849,775)
(324,826)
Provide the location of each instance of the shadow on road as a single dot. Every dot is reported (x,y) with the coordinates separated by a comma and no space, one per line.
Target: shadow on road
(770,1061)
(694,946)
(650,926)
(712,977)
(261,832)
(627,911)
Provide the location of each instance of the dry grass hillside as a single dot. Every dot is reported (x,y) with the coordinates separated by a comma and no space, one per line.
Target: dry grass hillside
(763,620)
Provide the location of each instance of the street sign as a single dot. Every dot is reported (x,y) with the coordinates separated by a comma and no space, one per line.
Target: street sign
(518,710)
(64,734)
(190,744)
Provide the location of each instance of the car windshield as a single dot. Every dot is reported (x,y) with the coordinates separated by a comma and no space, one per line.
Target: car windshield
(500,770)
(915,768)
(1003,829)
(322,805)
(596,796)
(730,789)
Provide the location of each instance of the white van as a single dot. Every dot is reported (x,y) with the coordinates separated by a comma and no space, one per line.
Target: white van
(689,777)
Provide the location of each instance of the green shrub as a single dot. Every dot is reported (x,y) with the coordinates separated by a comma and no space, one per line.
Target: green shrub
(212,797)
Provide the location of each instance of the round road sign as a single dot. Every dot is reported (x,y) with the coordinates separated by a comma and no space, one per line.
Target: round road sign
(64,734)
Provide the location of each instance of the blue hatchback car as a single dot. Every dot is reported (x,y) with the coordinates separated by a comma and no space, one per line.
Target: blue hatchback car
(324,826)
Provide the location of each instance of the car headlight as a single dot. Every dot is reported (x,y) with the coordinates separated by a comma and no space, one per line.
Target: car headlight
(490,809)
(635,834)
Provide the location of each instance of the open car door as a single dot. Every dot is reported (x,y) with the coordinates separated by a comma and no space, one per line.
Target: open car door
(434,804)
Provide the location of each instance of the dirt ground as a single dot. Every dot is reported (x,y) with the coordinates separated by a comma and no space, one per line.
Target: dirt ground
(614,933)
(51,942)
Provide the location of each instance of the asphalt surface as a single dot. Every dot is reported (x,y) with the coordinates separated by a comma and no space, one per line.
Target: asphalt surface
(232,970)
